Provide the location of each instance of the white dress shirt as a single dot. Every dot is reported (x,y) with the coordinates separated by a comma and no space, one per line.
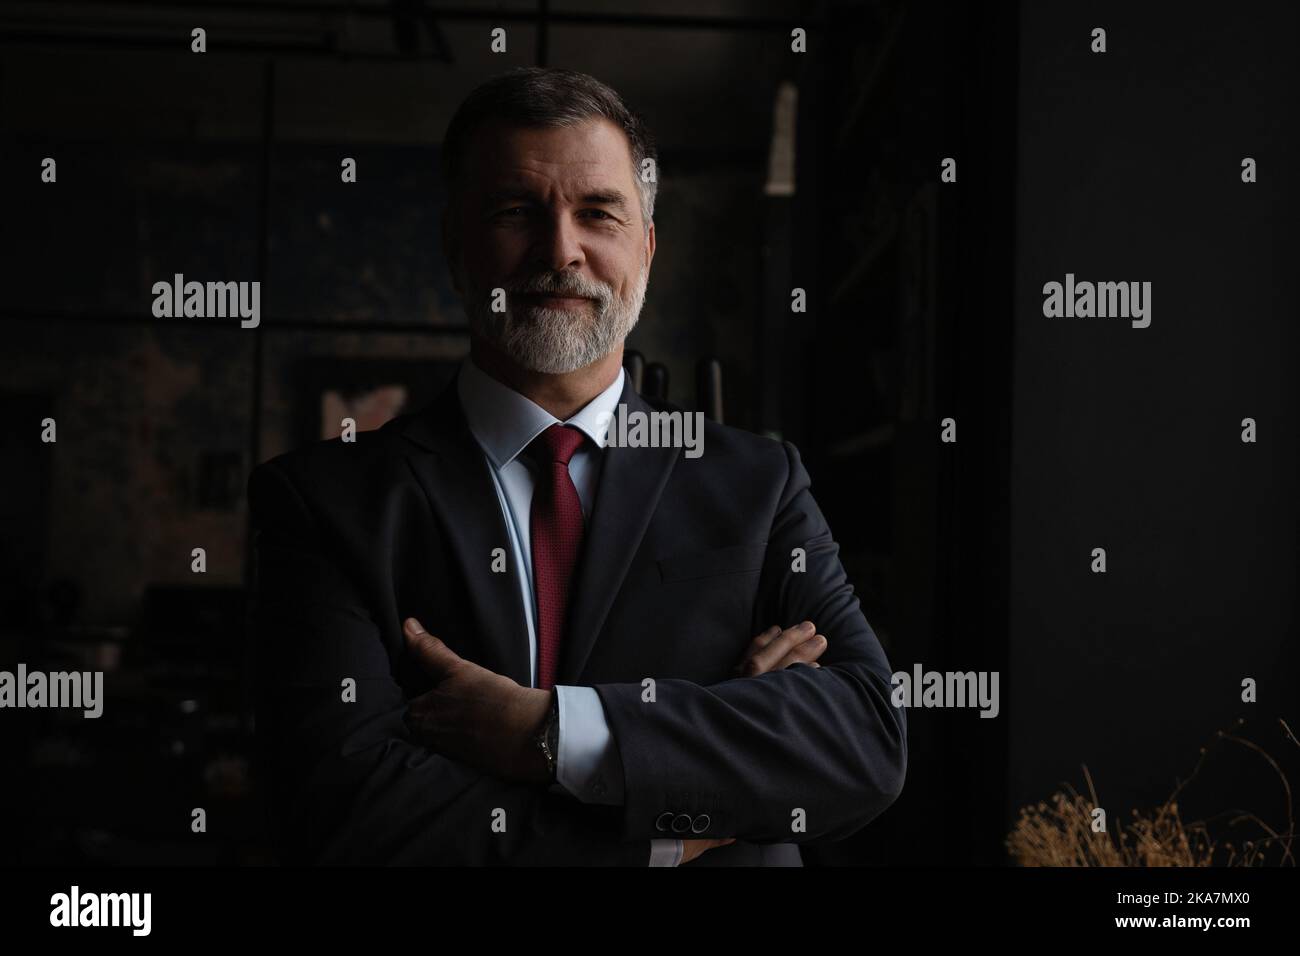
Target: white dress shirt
(504,423)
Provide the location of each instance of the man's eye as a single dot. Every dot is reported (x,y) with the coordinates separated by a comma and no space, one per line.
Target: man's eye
(512,209)
(601,213)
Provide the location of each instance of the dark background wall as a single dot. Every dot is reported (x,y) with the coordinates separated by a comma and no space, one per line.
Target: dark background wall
(1129,439)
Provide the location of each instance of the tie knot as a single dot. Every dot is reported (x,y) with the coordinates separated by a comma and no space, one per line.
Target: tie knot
(556,445)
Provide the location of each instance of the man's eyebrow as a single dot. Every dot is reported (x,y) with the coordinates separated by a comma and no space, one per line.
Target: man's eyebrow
(606,197)
(596,197)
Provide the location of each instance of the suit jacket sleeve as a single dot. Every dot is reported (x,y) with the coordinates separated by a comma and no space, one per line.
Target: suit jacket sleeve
(822,745)
(350,786)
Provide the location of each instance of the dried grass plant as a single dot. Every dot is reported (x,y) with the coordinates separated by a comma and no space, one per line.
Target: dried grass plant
(1059,832)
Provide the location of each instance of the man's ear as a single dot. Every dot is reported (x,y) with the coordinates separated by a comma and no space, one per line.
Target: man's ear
(650,246)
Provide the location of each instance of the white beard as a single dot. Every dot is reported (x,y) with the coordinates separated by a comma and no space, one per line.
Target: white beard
(555,341)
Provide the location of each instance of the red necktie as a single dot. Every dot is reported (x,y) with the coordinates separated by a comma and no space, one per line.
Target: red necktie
(555,530)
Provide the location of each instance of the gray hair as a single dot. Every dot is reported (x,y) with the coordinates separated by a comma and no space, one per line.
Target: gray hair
(539,96)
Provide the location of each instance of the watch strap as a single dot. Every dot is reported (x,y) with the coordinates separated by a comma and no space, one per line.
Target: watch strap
(548,738)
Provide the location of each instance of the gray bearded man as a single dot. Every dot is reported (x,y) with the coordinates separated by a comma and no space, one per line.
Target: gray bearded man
(487,636)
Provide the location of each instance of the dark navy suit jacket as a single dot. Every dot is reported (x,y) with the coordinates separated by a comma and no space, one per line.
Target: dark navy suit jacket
(684,562)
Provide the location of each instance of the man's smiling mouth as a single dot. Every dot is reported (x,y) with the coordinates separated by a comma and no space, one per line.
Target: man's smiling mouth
(554,300)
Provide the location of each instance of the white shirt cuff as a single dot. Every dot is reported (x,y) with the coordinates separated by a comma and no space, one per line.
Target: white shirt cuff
(666,852)
(588,764)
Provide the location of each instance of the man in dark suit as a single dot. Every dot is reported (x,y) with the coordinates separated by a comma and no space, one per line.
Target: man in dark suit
(489,632)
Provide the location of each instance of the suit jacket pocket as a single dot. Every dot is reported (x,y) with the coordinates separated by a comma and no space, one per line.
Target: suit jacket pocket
(734,559)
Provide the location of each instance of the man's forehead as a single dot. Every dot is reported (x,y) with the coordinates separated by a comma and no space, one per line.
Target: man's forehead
(597,144)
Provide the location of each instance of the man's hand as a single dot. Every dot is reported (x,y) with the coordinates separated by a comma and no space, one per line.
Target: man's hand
(773,650)
(776,649)
(475,715)
(695,848)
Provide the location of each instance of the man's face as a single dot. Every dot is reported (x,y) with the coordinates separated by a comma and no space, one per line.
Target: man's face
(553,216)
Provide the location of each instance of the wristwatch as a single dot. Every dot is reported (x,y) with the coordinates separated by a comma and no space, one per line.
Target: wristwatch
(548,737)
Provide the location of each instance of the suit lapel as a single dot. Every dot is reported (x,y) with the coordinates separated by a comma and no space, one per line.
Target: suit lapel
(455,476)
(452,470)
(627,492)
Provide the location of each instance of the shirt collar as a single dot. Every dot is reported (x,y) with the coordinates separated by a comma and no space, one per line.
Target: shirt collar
(505,422)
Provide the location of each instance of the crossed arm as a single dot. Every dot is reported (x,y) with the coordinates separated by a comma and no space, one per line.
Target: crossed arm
(377,781)
(489,721)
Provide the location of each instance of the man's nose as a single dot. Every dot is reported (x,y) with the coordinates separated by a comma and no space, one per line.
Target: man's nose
(557,246)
